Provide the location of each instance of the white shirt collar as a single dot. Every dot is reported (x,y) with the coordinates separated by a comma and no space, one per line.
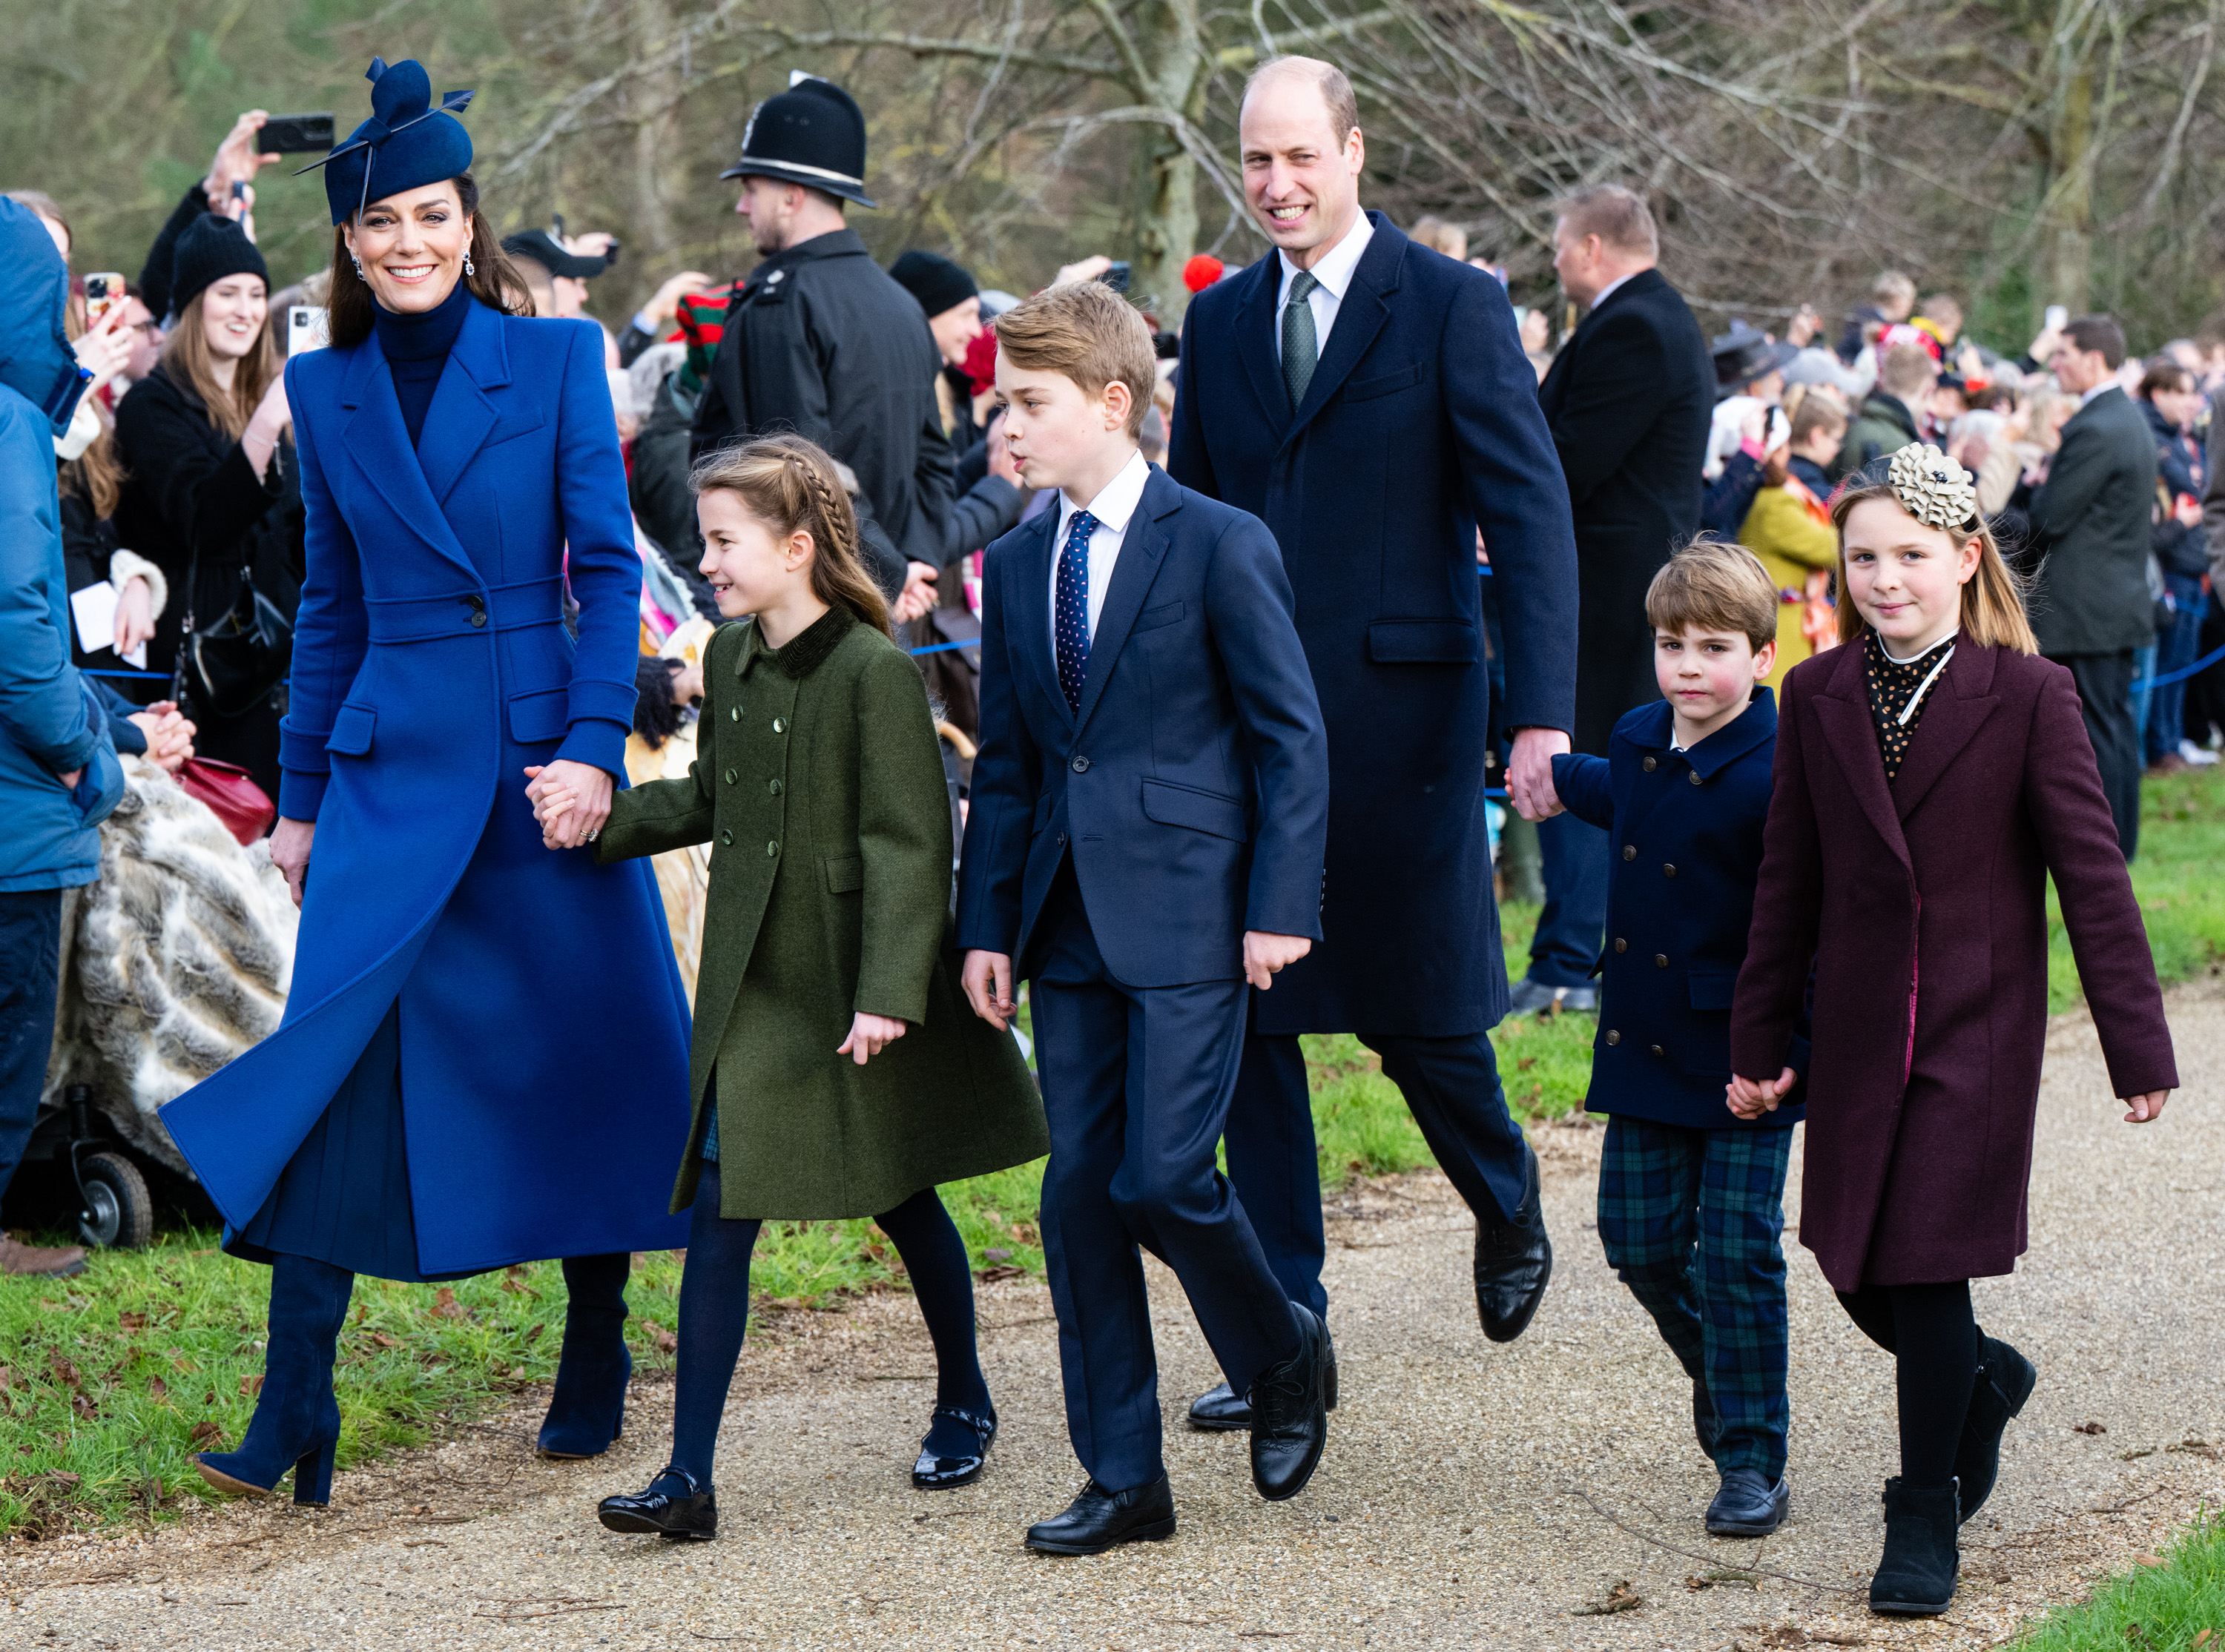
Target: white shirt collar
(1115,502)
(1913,658)
(2102,388)
(1604,292)
(1334,268)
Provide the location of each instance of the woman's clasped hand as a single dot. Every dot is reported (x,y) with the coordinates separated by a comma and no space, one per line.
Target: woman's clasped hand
(570,800)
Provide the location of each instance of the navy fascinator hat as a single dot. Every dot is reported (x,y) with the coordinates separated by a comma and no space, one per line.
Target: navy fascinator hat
(407,144)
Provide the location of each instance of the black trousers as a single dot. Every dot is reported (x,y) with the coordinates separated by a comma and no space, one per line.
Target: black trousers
(2105,695)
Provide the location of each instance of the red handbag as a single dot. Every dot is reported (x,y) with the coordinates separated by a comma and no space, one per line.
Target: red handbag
(231,792)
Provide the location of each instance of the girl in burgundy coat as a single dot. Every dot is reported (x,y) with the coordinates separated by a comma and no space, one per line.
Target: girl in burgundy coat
(1929,775)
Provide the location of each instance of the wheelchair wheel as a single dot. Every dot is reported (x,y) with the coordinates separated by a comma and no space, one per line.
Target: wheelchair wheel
(118,1213)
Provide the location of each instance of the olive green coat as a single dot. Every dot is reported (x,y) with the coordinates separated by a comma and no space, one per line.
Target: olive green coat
(819,785)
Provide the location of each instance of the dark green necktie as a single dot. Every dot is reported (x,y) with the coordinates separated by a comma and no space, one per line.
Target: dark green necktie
(1301,349)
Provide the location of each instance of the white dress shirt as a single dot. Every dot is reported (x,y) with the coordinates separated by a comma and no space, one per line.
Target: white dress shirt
(1604,292)
(1114,504)
(1333,272)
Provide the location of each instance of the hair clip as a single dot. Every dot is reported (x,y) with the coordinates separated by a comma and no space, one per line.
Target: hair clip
(1931,487)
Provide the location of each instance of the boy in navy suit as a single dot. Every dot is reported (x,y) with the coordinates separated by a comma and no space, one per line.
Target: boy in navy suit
(1149,813)
(1691,1199)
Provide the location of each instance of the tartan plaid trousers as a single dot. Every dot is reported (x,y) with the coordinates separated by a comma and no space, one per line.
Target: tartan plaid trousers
(1691,1220)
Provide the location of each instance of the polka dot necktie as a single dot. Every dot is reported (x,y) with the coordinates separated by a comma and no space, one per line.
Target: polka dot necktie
(1301,349)
(1070,612)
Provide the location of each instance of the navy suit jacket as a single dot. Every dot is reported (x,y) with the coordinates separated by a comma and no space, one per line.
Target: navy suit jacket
(1420,425)
(1676,939)
(1192,789)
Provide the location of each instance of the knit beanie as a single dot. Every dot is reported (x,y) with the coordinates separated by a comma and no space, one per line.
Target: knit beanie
(211,248)
(934,280)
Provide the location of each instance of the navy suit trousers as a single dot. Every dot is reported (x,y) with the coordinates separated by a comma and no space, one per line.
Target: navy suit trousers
(1137,1085)
(1571,924)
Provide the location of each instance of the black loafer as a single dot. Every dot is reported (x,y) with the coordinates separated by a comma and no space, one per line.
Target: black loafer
(1514,1261)
(1748,1506)
(933,1472)
(692,1516)
(1099,1520)
(1707,1427)
(1289,1414)
(1219,1410)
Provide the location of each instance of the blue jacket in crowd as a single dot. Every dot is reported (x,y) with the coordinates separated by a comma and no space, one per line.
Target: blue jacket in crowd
(50,723)
(1687,850)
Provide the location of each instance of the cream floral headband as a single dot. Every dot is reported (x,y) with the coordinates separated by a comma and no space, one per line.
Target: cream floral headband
(1931,487)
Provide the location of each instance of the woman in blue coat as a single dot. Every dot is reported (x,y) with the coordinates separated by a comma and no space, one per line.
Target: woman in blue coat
(483,1057)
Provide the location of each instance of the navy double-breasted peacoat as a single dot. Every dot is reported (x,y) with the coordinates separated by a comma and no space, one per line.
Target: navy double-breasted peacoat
(1923,904)
(1687,839)
(543,1028)
(1420,424)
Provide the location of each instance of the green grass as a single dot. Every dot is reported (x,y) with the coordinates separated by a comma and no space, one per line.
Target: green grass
(2176,878)
(2176,1607)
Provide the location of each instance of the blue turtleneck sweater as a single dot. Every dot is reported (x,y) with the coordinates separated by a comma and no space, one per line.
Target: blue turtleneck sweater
(417,348)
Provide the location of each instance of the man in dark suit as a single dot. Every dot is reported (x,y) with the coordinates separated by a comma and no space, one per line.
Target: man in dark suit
(1629,399)
(2091,518)
(1369,400)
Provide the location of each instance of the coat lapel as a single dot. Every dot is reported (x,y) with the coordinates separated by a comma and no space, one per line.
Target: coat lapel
(377,443)
(461,415)
(1359,316)
(1143,548)
(1843,710)
(1032,609)
(1255,339)
(1947,723)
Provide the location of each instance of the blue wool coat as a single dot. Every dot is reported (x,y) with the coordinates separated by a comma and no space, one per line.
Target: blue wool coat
(1687,833)
(543,1028)
(1420,426)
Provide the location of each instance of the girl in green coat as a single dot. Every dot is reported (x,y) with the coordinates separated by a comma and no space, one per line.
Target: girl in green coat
(835,1070)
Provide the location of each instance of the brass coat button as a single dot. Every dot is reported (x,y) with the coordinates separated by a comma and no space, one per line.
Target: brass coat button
(1620,944)
(1648,765)
(1693,777)
(735,714)
(1656,1049)
(1660,960)
(773,785)
(772,851)
(1668,871)
(1630,851)
(727,838)
(780,726)
(732,775)
(1612,1037)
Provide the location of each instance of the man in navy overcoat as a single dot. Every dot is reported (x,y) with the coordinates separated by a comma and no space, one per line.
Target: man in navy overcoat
(1369,400)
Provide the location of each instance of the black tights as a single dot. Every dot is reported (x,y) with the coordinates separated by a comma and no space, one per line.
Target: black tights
(715,1312)
(1933,1337)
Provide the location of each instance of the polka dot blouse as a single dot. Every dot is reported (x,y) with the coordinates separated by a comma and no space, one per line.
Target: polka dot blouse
(1898,692)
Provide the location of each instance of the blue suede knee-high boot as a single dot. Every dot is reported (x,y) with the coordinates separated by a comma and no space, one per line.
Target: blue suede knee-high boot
(587,1411)
(297,1420)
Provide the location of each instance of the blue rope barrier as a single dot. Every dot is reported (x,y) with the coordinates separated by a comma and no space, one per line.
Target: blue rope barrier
(152,676)
(943,648)
(2184,672)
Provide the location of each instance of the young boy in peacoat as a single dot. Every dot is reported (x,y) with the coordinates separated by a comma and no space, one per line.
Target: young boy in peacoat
(1149,808)
(1691,1198)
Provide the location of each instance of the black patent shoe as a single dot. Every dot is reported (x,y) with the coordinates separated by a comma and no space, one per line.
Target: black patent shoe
(1099,1520)
(1219,1410)
(934,1473)
(1289,1415)
(1707,1427)
(678,1517)
(2005,1382)
(1514,1261)
(1748,1506)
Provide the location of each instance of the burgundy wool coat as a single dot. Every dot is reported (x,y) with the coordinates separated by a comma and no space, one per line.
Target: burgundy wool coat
(1923,906)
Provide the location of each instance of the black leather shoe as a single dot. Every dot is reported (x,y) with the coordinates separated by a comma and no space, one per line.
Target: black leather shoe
(934,1473)
(1748,1506)
(1707,1427)
(1530,997)
(1916,1576)
(1514,1260)
(1219,1410)
(1289,1414)
(2006,1379)
(679,1517)
(1099,1520)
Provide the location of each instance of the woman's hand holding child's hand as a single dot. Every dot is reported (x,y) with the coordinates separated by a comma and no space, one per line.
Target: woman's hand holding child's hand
(571,800)
(869,1035)
(2146,1109)
(1751,1097)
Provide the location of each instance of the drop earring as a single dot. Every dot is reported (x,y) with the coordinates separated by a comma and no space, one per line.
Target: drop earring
(357,263)
(468,270)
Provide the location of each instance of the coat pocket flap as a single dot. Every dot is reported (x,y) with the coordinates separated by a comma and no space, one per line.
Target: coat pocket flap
(540,716)
(1366,390)
(352,730)
(1182,806)
(1714,991)
(1422,642)
(845,873)
(1151,619)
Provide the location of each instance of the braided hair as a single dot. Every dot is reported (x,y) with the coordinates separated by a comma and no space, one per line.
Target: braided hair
(793,486)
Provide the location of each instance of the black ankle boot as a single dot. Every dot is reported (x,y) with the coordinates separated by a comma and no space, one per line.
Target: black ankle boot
(1915,1578)
(2005,1382)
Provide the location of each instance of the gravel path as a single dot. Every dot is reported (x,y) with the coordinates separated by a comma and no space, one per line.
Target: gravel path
(1473,1494)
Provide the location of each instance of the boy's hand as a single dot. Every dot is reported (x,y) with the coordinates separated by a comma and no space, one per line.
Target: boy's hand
(2146,1109)
(869,1035)
(987,978)
(1265,955)
(1751,1097)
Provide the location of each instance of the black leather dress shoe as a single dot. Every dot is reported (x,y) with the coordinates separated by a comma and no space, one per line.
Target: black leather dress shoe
(1219,1410)
(1748,1506)
(1514,1260)
(935,1472)
(1707,1427)
(691,1516)
(1289,1414)
(1099,1520)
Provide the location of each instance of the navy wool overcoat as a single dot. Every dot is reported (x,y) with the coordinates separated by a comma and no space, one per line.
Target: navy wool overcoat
(543,1028)
(1420,424)
(1922,905)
